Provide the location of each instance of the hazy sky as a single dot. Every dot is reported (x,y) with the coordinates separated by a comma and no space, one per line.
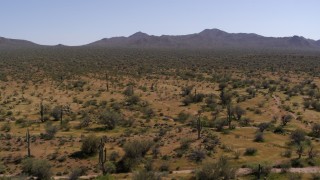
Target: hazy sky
(76,22)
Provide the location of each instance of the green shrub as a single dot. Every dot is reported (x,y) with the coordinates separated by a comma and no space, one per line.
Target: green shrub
(104,177)
(90,145)
(197,155)
(51,130)
(182,117)
(37,167)
(250,151)
(56,113)
(259,137)
(134,152)
(218,170)
(76,173)
(2,168)
(315,130)
(146,175)
(110,167)
(110,119)
(6,127)
(137,149)
(297,136)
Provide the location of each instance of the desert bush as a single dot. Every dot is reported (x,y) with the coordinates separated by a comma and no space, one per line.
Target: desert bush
(76,173)
(198,98)
(110,167)
(225,97)
(37,167)
(6,127)
(250,151)
(145,175)
(137,149)
(263,126)
(211,102)
(259,137)
(90,145)
(185,143)
(56,113)
(297,136)
(284,166)
(104,177)
(132,100)
(239,112)
(187,100)
(148,112)
(114,156)
(50,131)
(185,91)
(129,91)
(84,122)
(183,117)
(110,119)
(197,155)
(279,130)
(91,102)
(237,154)
(210,141)
(287,153)
(244,122)
(316,130)
(218,170)
(296,163)
(219,124)
(65,125)
(134,152)
(2,168)
(286,119)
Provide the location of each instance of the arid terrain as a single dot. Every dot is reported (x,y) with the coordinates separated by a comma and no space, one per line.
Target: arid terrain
(122,113)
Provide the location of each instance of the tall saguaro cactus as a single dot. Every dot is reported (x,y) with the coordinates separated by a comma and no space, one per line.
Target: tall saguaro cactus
(199,125)
(102,156)
(28,142)
(107,79)
(229,115)
(41,112)
(61,114)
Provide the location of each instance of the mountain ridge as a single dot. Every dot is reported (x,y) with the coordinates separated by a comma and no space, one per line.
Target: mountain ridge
(206,39)
(16,43)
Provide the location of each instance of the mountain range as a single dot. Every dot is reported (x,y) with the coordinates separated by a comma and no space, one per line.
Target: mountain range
(206,39)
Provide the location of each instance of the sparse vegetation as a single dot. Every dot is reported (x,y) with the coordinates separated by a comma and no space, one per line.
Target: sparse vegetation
(157,110)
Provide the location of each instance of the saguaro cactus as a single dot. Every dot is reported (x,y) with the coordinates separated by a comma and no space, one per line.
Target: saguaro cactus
(41,112)
(229,115)
(107,79)
(102,156)
(28,142)
(199,125)
(259,171)
(61,114)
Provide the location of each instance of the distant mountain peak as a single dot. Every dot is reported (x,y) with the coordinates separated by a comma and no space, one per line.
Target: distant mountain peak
(139,35)
(60,45)
(212,32)
(299,41)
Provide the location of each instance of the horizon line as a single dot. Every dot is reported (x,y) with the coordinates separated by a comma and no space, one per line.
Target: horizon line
(156,36)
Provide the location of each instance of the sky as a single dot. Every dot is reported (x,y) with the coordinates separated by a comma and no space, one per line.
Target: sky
(78,22)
